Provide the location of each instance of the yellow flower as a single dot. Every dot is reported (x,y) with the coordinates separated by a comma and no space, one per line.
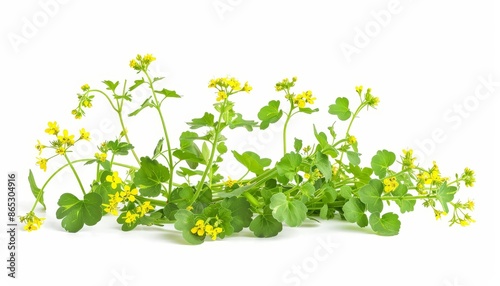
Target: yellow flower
(351,140)
(390,184)
(359,89)
(144,208)
(128,194)
(247,88)
(230,182)
(114,180)
(221,95)
(133,63)
(61,150)
(464,222)
(85,87)
(66,138)
(199,228)
(148,58)
(30,227)
(438,214)
(84,134)
(112,207)
(302,98)
(42,162)
(39,147)
(130,217)
(213,231)
(53,128)
(101,156)
(76,113)
(32,221)
(470,205)
(87,103)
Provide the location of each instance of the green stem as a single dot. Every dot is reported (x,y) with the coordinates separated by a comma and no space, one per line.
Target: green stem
(288,116)
(76,174)
(164,126)
(125,133)
(358,110)
(408,198)
(107,97)
(217,130)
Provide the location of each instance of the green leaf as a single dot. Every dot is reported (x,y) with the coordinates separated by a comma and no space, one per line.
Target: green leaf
(324,146)
(184,221)
(169,211)
(406,205)
(293,212)
(324,165)
(288,165)
(222,148)
(330,195)
(354,210)
(370,195)
(386,225)
(205,152)
(265,225)
(150,176)
(297,145)
(158,148)
(145,104)
(35,190)
(119,148)
(323,212)
(206,121)
(240,211)
(168,93)
(137,83)
(382,161)
(346,192)
(308,110)
(270,114)
(111,85)
(308,189)
(238,121)
(363,175)
(445,194)
(400,190)
(340,108)
(75,213)
(353,157)
(252,161)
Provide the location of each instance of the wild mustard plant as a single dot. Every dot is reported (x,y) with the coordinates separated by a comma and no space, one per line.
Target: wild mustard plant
(181,182)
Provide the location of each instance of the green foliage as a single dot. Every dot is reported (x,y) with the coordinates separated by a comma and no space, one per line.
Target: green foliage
(185,182)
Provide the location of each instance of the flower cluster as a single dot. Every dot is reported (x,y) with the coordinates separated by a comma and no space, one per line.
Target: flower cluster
(32,221)
(430,177)
(301,99)
(370,99)
(202,228)
(460,215)
(141,63)
(468,177)
(84,101)
(63,142)
(227,86)
(390,184)
(408,161)
(286,84)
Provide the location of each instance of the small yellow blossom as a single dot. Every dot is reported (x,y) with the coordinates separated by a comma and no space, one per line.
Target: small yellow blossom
(130,217)
(85,87)
(112,207)
(468,177)
(199,228)
(39,146)
(148,58)
(230,182)
(390,184)
(42,162)
(221,95)
(84,134)
(359,89)
(351,140)
(469,205)
(53,128)
(213,231)
(61,150)
(246,87)
(408,159)
(128,194)
(114,179)
(66,138)
(438,214)
(133,63)
(144,208)
(32,221)
(87,103)
(101,156)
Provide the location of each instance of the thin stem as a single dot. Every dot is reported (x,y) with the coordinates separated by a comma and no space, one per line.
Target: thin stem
(408,198)
(76,174)
(358,110)
(288,116)
(217,130)
(164,126)
(126,133)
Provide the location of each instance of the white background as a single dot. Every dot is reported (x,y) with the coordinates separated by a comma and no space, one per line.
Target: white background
(424,59)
